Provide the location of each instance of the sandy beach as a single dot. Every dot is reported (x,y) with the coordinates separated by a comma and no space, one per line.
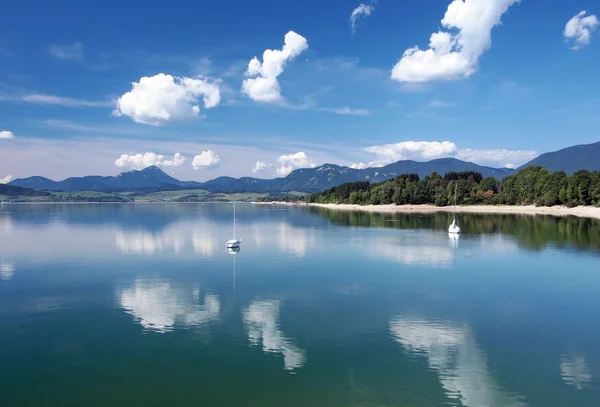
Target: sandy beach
(581,211)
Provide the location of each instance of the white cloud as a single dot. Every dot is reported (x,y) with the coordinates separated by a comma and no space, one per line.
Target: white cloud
(6,179)
(262,85)
(429,150)
(412,150)
(579,29)
(54,100)
(497,157)
(177,161)
(206,160)
(291,162)
(6,135)
(359,166)
(362,11)
(261,320)
(454,55)
(163,98)
(141,161)
(67,52)
(261,167)
(347,111)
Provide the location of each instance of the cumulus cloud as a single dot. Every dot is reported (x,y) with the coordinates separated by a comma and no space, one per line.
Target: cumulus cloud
(163,98)
(67,52)
(6,179)
(261,167)
(359,166)
(412,150)
(497,157)
(429,150)
(579,29)
(455,53)
(6,135)
(206,160)
(347,111)
(141,161)
(262,84)
(362,11)
(291,162)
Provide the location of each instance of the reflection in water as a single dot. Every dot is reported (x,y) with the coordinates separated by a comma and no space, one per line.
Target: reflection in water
(7,269)
(142,242)
(261,322)
(574,371)
(158,306)
(432,256)
(6,225)
(295,241)
(452,352)
(233,251)
(204,244)
(453,239)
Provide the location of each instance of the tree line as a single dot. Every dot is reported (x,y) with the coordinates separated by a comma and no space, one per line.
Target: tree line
(531,186)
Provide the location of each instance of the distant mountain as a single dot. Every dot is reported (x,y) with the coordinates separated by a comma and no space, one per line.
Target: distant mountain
(307,180)
(570,159)
(148,178)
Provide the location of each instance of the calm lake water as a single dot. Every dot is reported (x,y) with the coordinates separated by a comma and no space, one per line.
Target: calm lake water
(143,306)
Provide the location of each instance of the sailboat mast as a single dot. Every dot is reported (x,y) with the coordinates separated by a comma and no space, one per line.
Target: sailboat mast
(234,220)
(455,191)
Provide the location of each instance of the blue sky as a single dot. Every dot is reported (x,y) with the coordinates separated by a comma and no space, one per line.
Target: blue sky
(333,94)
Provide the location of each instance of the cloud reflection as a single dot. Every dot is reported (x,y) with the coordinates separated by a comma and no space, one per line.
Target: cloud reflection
(260,319)
(7,270)
(295,241)
(574,371)
(158,306)
(452,352)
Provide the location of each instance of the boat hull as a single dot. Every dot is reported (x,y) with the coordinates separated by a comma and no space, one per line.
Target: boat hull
(232,244)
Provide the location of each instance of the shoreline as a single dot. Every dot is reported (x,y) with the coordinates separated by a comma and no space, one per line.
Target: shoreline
(559,211)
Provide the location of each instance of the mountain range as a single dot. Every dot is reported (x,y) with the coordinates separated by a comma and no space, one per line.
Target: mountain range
(307,180)
(310,180)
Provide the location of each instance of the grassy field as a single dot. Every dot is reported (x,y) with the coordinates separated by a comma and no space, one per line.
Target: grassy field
(171,196)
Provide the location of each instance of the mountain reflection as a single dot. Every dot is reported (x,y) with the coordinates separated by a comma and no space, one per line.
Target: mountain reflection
(261,320)
(453,353)
(574,371)
(159,306)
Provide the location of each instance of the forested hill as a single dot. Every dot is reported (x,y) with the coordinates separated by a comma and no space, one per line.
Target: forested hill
(570,159)
(533,185)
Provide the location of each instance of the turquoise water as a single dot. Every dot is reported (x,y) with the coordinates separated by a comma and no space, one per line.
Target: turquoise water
(109,305)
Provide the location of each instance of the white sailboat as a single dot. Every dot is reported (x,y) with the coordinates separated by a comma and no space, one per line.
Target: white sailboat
(233,243)
(454,229)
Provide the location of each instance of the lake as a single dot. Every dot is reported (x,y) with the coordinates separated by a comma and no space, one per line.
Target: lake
(141,305)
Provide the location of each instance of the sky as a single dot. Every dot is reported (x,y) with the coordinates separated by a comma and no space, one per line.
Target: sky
(205,89)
